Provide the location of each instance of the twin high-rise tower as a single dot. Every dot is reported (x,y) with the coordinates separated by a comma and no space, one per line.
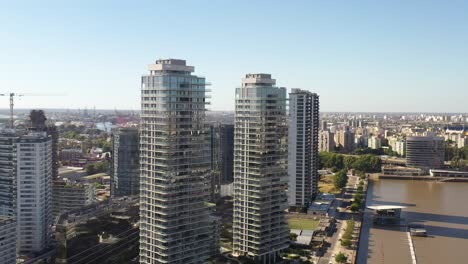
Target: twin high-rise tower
(176,225)
(175,216)
(260,230)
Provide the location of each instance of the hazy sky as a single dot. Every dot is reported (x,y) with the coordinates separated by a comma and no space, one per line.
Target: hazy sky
(357,55)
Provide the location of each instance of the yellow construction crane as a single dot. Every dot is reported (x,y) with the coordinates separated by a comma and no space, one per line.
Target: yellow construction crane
(12,95)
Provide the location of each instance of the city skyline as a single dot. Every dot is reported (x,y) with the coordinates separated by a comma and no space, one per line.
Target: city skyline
(367,57)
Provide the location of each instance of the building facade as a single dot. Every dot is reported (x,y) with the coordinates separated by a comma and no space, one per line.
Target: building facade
(8,235)
(68,155)
(70,196)
(345,139)
(227,153)
(260,230)
(176,225)
(303,129)
(374,142)
(326,141)
(8,139)
(34,191)
(125,168)
(425,152)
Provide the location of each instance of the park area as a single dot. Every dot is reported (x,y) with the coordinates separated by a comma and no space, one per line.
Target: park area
(326,185)
(302,223)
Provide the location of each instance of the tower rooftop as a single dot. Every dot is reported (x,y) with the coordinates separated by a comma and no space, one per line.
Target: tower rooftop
(171,65)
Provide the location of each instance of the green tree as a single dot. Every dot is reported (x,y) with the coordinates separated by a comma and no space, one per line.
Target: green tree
(341,258)
(346,243)
(348,162)
(355,207)
(90,169)
(340,179)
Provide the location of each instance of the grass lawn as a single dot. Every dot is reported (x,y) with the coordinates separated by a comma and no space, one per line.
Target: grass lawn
(302,223)
(326,185)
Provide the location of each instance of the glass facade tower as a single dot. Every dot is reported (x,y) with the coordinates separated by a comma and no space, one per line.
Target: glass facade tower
(260,230)
(176,222)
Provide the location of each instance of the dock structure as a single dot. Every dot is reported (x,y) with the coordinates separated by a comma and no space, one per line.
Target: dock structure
(386,214)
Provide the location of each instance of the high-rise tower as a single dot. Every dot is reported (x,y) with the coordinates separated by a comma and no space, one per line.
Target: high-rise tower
(260,230)
(303,130)
(125,168)
(176,225)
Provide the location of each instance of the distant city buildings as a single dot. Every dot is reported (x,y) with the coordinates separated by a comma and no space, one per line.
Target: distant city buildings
(345,139)
(303,130)
(425,152)
(260,230)
(8,234)
(68,155)
(374,142)
(175,221)
(125,167)
(326,141)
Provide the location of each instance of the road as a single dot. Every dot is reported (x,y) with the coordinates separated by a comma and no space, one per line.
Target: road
(335,247)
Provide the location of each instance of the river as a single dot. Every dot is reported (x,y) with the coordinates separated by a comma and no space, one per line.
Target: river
(441,207)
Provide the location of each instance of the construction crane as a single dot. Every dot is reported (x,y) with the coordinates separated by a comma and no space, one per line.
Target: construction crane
(12,95)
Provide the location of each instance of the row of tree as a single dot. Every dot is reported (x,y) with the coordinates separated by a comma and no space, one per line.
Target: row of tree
(365,163)
(358,197)
(348,234)
(97,167)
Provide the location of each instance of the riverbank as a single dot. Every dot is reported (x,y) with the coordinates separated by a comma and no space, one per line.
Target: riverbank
(423,178)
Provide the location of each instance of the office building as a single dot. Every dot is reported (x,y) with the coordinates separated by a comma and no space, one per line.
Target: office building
(8,235)
(303,129)
(425,152)
(125,167)
(34,191)
(326,141)
(176,225)
(260,230)
(67,196)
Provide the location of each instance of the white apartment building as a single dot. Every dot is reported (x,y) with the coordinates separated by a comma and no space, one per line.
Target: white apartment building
(34,191)
(260,230)
(374,142)
(7,240)
(303,130)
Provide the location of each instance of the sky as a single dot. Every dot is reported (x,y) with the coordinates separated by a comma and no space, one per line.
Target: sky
(359,56)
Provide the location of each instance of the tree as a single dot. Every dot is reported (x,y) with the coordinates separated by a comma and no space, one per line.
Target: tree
(346,243)
(341,258)
(90,169)
(340,179)
(348,162)
(355,207)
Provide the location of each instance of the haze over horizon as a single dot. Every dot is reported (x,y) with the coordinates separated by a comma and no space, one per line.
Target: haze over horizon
(359,56)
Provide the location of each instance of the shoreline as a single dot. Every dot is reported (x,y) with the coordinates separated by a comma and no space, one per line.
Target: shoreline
(423,178)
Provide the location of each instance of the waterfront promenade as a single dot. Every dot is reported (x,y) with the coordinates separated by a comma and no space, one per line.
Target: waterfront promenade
(440,206)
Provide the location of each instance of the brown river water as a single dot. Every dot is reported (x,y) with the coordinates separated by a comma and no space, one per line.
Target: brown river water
(441,206)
